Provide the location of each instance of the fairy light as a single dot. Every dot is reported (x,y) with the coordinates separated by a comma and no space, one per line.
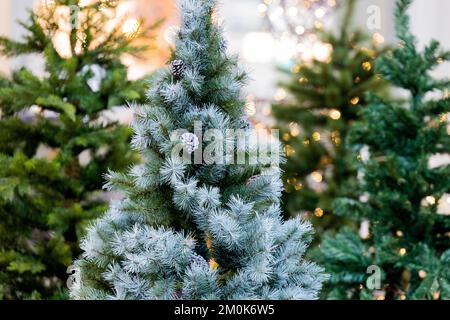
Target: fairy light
(335,114)
(354,100)
(318,212)
(364,229)
(281,94)
(317,176)
(422,274)
(430,200)
(402,252)
(332,3)
(306,141)
(367,66)
(293,18)
(289,150)
(380,296)
(302,80)
(320,12)
(296,68)
(295,129)
(316,136)
(335,134)
(336,137)
(300,30)
(262,8)
(291,180)
(318,25)
(399,233)
(378,38)
(322,51)
(286,137)
(298,186)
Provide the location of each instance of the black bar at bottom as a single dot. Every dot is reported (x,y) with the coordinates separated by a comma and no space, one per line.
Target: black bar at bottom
(187,310)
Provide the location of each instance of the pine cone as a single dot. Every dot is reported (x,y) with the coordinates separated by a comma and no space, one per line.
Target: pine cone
(190,142)
(198,260)
(245,124)
(178,67)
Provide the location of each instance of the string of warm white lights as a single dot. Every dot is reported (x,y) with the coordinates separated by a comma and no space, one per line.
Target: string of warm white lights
(294,24)
(297,17)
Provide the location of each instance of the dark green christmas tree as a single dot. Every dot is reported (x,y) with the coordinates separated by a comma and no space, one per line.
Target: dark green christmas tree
(406,254)
(55,145)
(327,96)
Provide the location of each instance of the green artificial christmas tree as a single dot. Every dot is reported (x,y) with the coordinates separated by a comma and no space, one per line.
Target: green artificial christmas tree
(406,254)
(202,230)
(327,95)
(55,142)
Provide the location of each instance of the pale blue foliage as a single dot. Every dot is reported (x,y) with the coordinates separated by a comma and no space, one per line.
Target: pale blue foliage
(230,211)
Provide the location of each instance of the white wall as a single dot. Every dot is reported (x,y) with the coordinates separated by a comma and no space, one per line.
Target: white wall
(5,9)
(12,11)
(430,20)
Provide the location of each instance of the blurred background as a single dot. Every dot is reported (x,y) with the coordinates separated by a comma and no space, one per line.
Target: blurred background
(299,54)
(252,31)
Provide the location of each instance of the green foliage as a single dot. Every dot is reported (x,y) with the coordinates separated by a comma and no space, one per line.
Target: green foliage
(409,237)
(47,198)
(327,96)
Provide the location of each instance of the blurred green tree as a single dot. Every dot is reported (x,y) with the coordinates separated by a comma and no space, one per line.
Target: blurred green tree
(326,95)
(56,141)
(408,243)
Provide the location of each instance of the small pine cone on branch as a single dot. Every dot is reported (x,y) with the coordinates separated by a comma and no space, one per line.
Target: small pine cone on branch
(245,124)
(178,68)
(199,260)
(190,142)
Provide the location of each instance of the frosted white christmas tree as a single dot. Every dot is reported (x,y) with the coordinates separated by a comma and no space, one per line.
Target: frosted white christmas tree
(196,231)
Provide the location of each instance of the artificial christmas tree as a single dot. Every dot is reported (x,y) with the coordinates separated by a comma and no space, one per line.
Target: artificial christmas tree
(408,245)
(55,142)
(204,230)
(327,94)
